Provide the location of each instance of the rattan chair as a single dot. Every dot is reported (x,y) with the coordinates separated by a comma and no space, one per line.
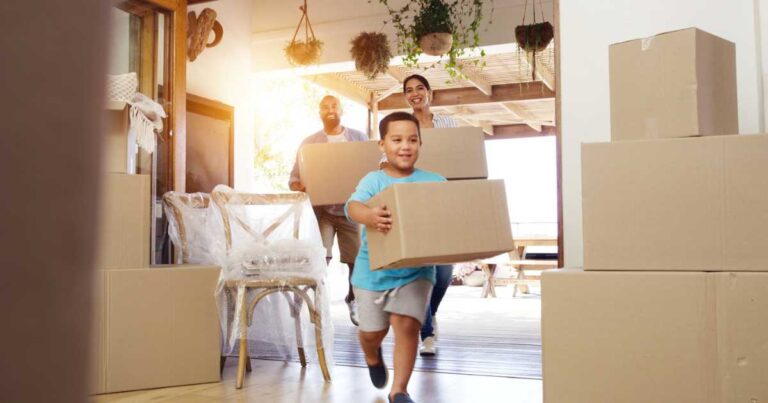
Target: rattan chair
(298,286)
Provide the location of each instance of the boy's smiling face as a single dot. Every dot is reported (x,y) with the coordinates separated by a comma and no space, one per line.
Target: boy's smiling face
(401,146)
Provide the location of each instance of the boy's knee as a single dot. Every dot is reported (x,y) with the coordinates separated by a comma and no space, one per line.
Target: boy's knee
(372,337)
(404,322)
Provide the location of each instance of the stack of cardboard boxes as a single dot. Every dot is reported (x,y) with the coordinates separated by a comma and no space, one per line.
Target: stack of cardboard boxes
(672,300)
(446,222)
(153,327)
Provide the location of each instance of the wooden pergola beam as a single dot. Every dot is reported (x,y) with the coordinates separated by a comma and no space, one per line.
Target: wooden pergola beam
(398,73)
(342,87)
(470,96)
(519,131)
(474,77)
(523,114)
(544,74)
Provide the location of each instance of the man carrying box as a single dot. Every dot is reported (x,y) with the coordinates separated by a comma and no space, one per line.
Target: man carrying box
(331,219)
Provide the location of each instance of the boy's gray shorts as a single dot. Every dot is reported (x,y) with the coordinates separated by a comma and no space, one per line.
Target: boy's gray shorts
(374,307)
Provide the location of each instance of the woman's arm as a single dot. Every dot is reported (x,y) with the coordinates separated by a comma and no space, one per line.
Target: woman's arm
(377,217)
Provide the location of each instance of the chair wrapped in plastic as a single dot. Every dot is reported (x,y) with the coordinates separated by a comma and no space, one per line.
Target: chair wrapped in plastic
(275,263)
(196,231)
(195,228)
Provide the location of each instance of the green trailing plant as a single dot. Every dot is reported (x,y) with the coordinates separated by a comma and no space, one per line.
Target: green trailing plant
(371,53)
(460,18)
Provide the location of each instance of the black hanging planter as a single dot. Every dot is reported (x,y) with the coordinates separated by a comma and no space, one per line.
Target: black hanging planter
(533,38)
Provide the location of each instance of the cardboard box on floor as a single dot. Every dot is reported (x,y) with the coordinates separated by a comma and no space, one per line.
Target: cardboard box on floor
(155,327)
(697,204)
(675,84)
(124,231)
(441,222)
(331,171)
(638,337)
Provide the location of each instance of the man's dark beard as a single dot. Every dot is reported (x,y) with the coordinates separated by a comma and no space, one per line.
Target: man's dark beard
(330,123)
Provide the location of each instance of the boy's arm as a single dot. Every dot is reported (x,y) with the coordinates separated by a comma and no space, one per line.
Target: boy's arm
(378,218)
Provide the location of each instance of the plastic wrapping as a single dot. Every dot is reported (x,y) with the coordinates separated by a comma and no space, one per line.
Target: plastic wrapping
(195,228)
(274,266)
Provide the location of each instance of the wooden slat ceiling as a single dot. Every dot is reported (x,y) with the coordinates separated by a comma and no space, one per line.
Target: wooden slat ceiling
(500,69)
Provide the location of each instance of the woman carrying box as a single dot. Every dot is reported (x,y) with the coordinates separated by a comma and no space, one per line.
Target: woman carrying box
(418,94)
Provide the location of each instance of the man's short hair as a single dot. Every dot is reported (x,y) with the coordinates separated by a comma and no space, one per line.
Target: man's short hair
(394,117)
(329,96)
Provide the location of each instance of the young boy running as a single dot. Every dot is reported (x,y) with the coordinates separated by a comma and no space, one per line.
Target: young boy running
(390,297)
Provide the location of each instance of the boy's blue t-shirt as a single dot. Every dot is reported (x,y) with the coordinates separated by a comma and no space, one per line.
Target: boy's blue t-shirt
(386,279)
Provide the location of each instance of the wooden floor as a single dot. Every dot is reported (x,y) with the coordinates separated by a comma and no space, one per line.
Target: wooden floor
(278,382)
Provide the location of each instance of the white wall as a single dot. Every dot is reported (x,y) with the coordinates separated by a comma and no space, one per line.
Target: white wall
(336,22)
(588,27)
(223,73)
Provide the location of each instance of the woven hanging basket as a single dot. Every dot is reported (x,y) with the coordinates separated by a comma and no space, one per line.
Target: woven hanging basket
(534,37)
(304,52)
(436,43)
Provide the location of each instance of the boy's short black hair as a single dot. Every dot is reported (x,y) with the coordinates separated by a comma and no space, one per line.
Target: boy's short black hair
(394,117)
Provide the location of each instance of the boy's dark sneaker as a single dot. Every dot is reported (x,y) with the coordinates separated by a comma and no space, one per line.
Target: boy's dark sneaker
(401,398)
(379,373)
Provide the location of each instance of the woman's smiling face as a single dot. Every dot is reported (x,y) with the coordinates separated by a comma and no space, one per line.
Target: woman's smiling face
(417,94)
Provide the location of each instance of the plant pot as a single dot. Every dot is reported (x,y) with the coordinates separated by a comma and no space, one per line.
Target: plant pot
(534,37)
(302,54)
(436,43)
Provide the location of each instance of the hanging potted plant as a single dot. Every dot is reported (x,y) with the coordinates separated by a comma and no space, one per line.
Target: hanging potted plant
(371,53)
(535,37)
(307,51)
(433,29)
(448,28)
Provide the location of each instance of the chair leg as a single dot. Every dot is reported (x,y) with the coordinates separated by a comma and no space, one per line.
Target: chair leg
(315,314)
(243,354)
(524,287)
(222,361)
(518,279)
(242,360)
(296,313)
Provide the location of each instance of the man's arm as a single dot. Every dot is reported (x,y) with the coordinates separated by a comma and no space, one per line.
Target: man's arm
(294,183)
(376,217)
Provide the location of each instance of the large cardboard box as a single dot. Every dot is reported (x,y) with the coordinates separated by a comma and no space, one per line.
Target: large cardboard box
(455,153)
(155,327)
(696,204)
(124,224)
(638,337)
(675,84)
(441,222)
(331,171)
